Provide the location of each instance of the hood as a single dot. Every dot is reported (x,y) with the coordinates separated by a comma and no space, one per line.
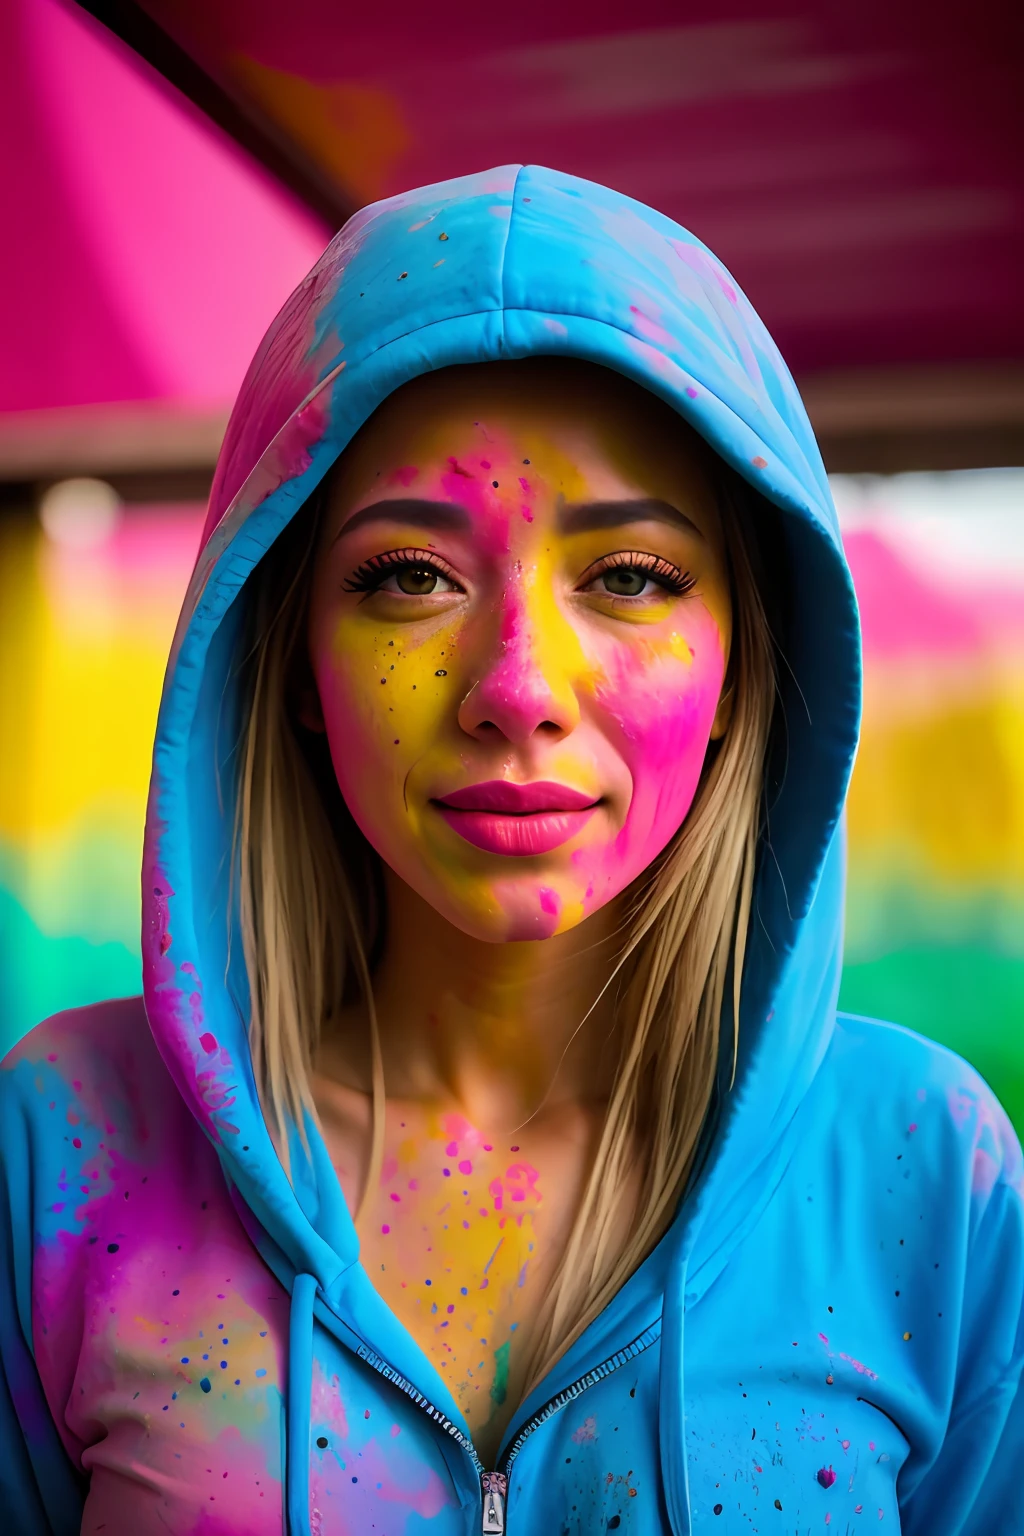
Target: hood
(514,262)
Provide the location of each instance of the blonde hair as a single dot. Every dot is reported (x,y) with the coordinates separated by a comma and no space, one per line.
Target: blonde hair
(310,904)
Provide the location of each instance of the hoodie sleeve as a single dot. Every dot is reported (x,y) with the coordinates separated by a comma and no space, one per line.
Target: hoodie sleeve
(40,1492)
(974,1486)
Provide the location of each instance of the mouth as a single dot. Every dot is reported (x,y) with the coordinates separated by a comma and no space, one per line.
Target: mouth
(517,820)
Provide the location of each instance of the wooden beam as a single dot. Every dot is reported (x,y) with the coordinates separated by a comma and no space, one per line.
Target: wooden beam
(128,438)
(866,422)
(885,422)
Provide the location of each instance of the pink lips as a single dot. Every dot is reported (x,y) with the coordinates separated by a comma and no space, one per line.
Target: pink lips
(516,819)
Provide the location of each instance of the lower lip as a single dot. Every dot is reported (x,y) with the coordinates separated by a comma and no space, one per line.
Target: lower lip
(516,836)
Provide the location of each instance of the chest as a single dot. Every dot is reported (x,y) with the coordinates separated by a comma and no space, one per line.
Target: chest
(790,1453)
(462,1239)
(181,1387)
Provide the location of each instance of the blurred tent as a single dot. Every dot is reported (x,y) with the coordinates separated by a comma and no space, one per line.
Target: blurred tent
(857,165)
(144,256)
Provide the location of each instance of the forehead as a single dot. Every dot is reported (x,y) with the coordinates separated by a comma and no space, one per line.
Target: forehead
(562,415)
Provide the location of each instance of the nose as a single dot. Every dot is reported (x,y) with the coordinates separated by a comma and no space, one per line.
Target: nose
(525,689)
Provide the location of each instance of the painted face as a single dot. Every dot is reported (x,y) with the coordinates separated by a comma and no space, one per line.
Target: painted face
(519,630)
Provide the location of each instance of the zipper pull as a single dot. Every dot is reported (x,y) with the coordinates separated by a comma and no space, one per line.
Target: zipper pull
(495,1488)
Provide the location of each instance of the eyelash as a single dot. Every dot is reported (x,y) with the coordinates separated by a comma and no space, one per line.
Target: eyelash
(375,571)
(663,571)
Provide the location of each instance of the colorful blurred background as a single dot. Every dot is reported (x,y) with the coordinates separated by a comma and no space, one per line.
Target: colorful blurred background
(160,226)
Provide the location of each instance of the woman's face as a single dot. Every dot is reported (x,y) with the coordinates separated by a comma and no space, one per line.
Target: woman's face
(519,630)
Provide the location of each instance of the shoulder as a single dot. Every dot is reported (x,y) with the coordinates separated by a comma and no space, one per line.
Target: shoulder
(102,1033)
(911,1100)
(105,1178)
(92,1070)
(939,1173)
(100,1050)
(93,1134)
(911,1149)
(899,1069)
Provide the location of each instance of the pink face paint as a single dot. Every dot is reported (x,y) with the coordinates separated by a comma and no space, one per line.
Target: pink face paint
(523,742)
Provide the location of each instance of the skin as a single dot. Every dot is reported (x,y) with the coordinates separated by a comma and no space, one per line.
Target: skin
(521,577)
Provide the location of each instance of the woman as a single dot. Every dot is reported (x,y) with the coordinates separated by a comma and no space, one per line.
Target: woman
(487,1152)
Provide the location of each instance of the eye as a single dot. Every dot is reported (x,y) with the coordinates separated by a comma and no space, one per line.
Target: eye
(417,581)
(625,581)
(631,573)
(405,573)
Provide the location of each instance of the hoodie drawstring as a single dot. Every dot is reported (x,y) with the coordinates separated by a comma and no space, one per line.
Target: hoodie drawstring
(672,1392)
(300,1386)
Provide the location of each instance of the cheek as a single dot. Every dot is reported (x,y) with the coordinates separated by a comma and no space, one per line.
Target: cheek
(384,699)
(659,699)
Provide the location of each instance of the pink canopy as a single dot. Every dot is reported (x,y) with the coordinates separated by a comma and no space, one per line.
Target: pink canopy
(144,253)
(856,164)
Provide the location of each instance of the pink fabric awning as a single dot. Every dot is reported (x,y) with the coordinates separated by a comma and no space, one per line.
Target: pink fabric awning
(144,253)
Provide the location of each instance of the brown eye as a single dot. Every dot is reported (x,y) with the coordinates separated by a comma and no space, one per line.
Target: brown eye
(405,573)
(625,581)
(416,580)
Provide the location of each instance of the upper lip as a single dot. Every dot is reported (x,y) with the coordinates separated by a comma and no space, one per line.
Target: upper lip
(505,799)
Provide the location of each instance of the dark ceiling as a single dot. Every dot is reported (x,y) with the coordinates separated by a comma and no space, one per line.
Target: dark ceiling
(856,165)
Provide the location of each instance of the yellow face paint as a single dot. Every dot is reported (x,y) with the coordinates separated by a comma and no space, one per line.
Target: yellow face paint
(519,630)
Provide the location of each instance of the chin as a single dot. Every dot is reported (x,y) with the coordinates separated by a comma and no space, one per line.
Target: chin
(531,908)
(513,910)
(525,927)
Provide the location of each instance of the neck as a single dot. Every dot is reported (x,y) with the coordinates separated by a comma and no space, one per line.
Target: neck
(500,1030)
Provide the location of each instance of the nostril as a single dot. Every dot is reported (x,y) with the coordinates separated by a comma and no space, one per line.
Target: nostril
(516,708)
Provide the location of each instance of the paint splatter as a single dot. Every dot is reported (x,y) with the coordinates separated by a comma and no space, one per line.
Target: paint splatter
(499,1386)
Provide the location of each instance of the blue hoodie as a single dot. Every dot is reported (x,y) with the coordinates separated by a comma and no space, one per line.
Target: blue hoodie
(830,1332)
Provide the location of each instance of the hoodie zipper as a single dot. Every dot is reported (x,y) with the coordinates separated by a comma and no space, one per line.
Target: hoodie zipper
(494,1485)
(495,1491)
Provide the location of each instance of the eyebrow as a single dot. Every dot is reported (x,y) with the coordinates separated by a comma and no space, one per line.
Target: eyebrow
(571,517)
(411,510)
(584,517)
